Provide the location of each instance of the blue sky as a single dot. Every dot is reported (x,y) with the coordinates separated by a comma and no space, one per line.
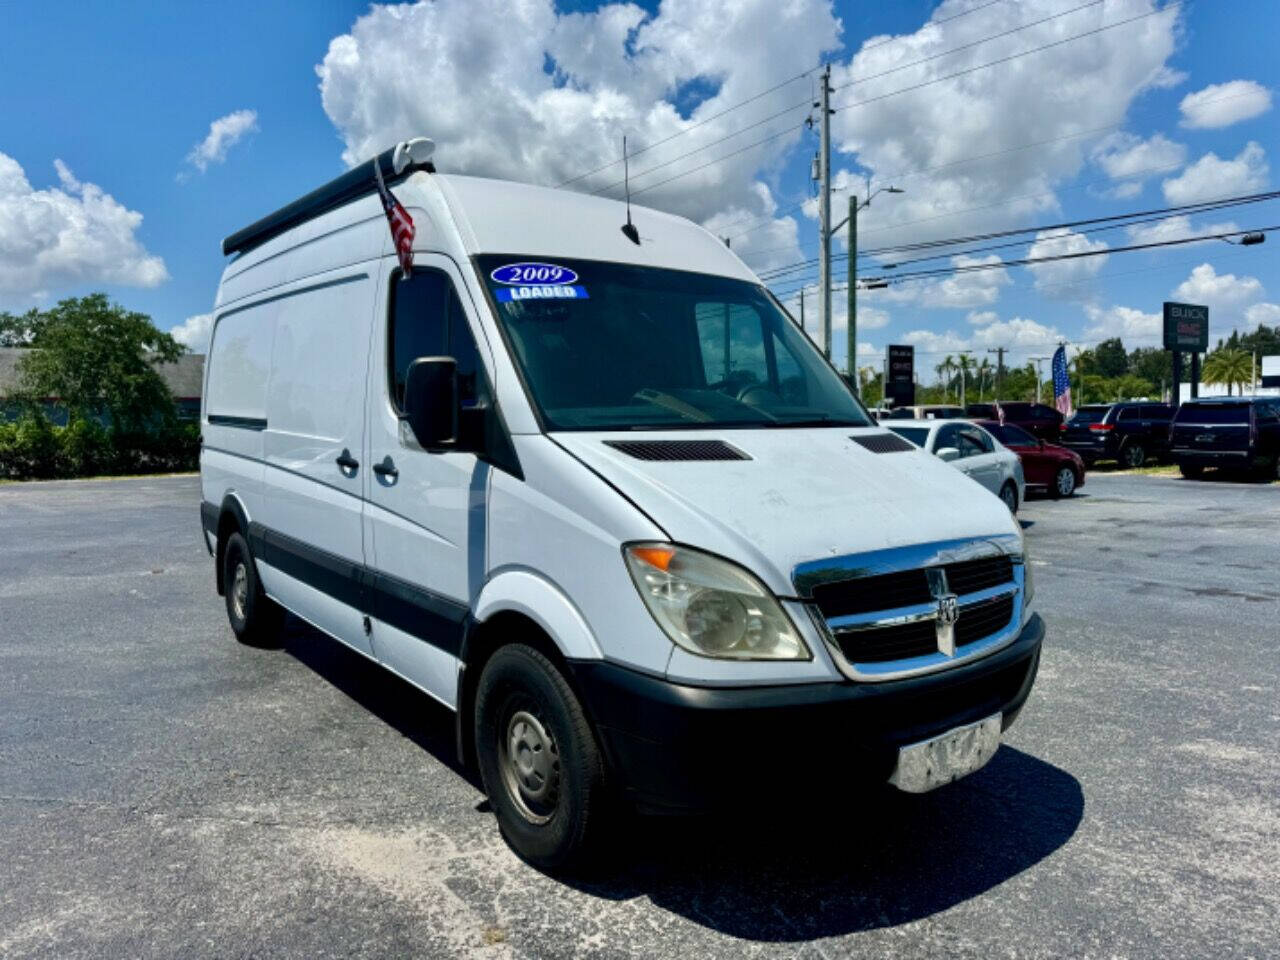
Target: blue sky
(123,93)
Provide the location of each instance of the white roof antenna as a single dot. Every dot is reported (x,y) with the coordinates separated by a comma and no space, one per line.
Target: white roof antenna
(417,150)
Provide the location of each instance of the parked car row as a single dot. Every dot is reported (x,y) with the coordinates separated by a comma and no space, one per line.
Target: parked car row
(1002,457)
(1239,434)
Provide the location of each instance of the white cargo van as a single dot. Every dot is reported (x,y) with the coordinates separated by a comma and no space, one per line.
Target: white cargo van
(604,500)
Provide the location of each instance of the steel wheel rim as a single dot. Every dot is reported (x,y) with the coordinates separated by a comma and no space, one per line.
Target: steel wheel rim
(530,765)
(1066,481)
(240,590)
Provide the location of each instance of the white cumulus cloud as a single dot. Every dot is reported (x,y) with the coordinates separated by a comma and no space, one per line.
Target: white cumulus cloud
(224,133)
(193,332)
(1222,104)
(1176,228)
(1212,178)
(1224,290)
(1133,326)
(1065,279)
(960,146)
(74,233)
(560,90)
(1124,156)
(1260,313)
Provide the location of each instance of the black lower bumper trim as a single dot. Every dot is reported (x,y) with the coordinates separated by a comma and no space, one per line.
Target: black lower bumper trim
(681,748)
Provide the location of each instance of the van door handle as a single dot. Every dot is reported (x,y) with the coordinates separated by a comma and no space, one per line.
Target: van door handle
(386,468)
(347,462)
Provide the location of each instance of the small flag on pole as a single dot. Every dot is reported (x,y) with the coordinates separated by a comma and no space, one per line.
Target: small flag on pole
(1061,382)
(399,220)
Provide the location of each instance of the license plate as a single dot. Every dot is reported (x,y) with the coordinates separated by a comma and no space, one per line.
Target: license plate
(1204,438)
(931,763)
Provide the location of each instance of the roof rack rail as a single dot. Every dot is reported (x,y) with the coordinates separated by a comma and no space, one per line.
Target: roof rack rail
(410,156)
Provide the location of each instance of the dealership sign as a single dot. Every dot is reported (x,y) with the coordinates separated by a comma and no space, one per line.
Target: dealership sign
(901,387)
(1186,327)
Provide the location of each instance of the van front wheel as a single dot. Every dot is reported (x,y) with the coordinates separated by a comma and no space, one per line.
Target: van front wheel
(255,617)
(538,758)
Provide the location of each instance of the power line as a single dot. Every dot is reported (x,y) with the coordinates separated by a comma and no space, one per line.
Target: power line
(884,96)
(763,93)
(1119,219)
(756,223)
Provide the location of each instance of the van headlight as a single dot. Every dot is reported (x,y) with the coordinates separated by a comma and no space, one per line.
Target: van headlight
(710,606)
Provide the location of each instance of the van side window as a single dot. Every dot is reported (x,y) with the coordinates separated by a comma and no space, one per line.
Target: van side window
(427,320)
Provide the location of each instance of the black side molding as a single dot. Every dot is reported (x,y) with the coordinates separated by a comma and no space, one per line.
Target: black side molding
(243,423)
(432,618)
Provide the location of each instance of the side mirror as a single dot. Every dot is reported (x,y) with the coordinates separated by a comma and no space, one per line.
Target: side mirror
(947,454)
(431,402)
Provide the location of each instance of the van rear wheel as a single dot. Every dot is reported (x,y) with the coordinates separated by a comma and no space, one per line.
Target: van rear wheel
(255,617)
(538,759)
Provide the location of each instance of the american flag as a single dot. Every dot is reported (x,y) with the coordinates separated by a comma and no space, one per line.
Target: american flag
(1061,383)
(399,220)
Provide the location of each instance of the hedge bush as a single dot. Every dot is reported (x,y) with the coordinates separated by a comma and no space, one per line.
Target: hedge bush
(33,448)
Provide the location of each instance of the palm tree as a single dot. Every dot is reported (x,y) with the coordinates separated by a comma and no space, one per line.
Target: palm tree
(944,371)
(1229,366)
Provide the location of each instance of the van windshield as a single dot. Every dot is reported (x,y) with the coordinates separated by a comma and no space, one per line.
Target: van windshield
(612,346)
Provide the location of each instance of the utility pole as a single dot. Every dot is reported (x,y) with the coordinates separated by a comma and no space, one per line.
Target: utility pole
(999,352)
(852,322)
(824,209)
(1039,374)
(802,309)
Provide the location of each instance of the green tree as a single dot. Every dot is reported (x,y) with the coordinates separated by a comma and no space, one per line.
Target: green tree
(91,353)
(1229,366)
(1110,359)
(1153,364)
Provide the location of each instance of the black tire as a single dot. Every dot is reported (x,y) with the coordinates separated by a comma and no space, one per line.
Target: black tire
(541,766)
(255,617)
(1009,494)
(1133,456)
(1064,483)
(1268,470)
(1192,471)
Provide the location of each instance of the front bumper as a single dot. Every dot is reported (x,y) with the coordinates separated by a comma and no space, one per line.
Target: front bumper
(678,748)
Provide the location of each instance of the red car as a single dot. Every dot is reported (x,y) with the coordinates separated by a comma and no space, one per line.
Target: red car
(1047,466)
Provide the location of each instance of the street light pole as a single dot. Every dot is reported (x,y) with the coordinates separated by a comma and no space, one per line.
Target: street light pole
(851,347)
(1039,374)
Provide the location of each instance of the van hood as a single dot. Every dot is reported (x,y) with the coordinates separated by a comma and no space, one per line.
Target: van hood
(803,495)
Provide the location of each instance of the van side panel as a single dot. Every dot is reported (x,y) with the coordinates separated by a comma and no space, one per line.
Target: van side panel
(235,407)
(315,418)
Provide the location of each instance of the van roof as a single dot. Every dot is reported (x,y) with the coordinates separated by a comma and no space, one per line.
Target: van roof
(342,222)
(501,216)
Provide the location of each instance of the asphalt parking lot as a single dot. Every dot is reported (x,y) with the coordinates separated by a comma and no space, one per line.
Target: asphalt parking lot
(165,791)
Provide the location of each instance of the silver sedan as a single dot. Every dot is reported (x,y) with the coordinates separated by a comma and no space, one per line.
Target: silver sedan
(972,451)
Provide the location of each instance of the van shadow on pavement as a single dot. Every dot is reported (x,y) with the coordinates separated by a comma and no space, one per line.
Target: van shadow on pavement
(804,868)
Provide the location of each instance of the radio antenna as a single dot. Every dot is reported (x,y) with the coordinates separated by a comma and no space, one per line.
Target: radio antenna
(628,229)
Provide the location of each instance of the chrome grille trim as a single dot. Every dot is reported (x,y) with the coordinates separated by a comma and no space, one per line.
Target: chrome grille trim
(924,557)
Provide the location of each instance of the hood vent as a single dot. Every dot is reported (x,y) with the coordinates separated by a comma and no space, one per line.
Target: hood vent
(884,443)
(677,449)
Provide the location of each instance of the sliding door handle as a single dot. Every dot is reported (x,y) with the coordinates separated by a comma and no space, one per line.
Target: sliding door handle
(346,462)
(386,469)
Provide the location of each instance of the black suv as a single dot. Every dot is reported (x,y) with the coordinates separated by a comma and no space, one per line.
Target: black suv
(1128,433)
(1236,433)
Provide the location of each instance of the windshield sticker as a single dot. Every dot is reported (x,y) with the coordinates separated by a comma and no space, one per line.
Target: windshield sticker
(540,292)
(534,274)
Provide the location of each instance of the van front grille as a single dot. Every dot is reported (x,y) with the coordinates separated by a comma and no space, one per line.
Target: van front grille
(878,616)
(903,588)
